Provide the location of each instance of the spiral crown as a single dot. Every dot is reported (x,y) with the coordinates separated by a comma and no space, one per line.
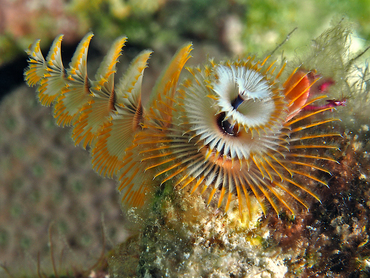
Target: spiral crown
(233,128)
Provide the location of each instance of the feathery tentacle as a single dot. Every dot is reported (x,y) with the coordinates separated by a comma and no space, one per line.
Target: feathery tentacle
(135,177)
(117,134)
(98,110)
(54,79)
(163,93)
(37,65)
(77,91)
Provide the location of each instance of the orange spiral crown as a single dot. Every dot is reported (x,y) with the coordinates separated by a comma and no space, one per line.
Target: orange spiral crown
(234,129)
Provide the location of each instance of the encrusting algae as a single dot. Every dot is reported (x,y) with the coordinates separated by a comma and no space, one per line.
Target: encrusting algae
(241,132)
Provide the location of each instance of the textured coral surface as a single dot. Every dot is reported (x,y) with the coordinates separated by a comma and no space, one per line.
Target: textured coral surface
(73,201)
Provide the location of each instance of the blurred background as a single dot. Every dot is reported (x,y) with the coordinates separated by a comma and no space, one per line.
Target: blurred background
(47,187)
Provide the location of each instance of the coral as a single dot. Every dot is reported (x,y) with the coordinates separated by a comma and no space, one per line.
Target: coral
(329,240)
(185,237)
(245,132)
(73,199)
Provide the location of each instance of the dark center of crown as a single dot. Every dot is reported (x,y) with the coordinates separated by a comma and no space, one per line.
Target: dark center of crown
(236,102)
(225,125)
